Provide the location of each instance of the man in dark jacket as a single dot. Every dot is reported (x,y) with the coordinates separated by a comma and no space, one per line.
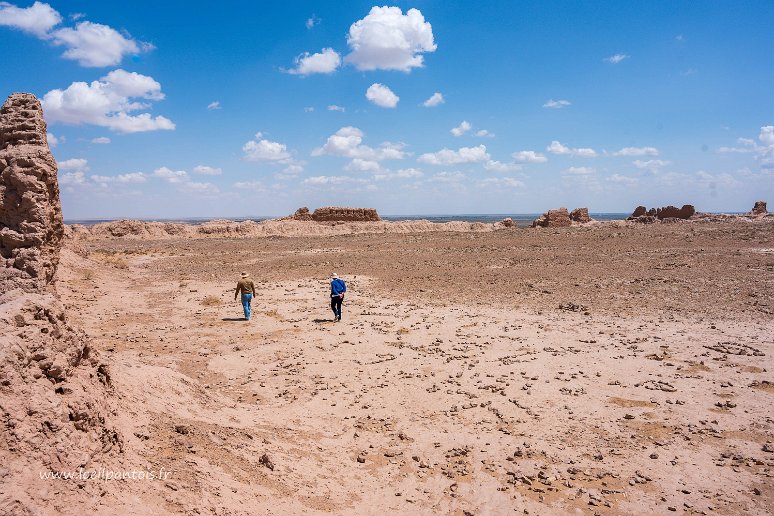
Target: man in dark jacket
(338,287)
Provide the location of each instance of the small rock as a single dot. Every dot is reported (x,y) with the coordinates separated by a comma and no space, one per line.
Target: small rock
(266,461)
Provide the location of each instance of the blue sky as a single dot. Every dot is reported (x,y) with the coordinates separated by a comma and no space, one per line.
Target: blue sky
(186,109)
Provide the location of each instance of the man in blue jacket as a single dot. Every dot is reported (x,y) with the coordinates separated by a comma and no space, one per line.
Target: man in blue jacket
(338,287)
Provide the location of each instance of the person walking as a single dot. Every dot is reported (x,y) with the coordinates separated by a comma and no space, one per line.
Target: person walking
(246,287)
(338,287)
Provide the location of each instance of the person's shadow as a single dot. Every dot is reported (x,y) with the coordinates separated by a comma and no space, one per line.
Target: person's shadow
(318,321)
(233,319)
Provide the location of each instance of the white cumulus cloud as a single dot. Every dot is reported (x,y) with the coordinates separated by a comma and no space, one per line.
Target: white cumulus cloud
(581,171)
(766,135)
(53,141)
(261,149)
(483,133)
(312,21)
(616,58)
(387,39)
(363,165)
(206,170)
(96,45)
(73,165)
(196,188)
(556,104)
(171,176)
(404,173)
(461,129)
(214,105)
(325,61)
(91,44)
(651,164)
(72,178)
(497,166)
(334,107)
(449,176)
(508,182)
(637,151)
(452,157)
(255,186)
(618,178)
(131,177)
(108,103)
(558,148)
(37,19)
(331,180)
(529,157)
(382,96)
(348,142)
(101,140)
(435,99)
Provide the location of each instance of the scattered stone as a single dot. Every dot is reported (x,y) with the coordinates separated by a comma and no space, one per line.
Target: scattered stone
(266,461)
(732,348)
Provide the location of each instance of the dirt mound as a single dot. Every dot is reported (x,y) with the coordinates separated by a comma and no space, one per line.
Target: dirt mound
(53,389)
(137,228)
(337,214)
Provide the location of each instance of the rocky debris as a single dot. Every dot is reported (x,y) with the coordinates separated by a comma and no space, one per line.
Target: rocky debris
(553,219)
(508,222)
(732,348)
(648,216)
(759,208)
(31,227)
(54,391)
(337,214)
(580,215)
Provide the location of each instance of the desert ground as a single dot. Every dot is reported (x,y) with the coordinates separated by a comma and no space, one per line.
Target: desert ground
(614,369)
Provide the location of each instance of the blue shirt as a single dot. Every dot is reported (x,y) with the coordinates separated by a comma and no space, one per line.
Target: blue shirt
(338,287)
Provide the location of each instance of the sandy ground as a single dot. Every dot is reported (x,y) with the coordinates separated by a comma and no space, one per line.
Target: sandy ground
(611,370)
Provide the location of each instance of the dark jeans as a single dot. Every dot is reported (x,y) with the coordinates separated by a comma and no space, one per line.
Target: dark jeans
(336,306)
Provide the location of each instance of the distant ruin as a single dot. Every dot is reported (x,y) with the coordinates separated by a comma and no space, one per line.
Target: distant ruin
(642,214)
(759,208)
(337,214)
(561,218)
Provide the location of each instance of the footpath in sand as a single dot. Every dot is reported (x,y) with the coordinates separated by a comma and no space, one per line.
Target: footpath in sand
(481,374)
